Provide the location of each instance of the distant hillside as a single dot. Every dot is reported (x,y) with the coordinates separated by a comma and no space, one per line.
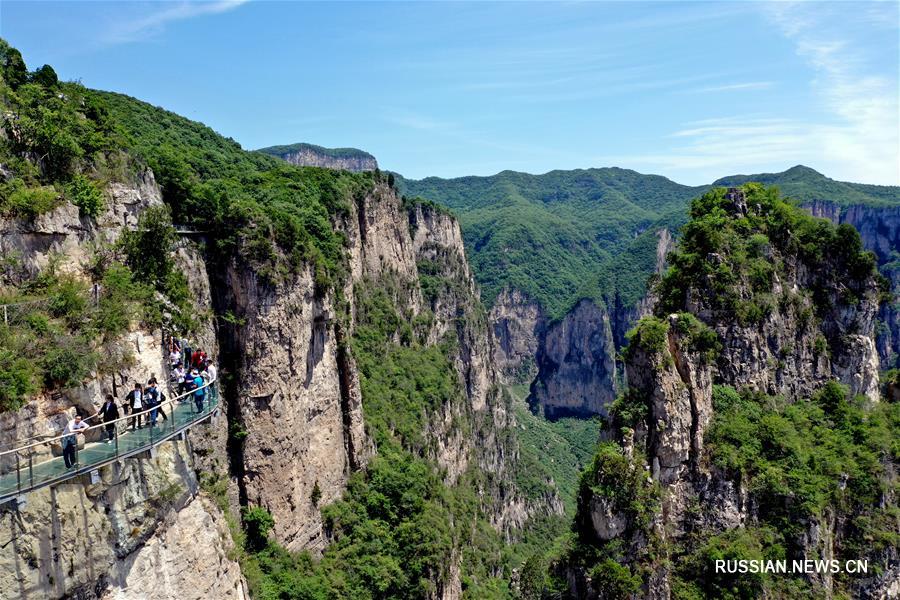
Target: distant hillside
(311,155)
(566,235)
(563,235)
(807,185)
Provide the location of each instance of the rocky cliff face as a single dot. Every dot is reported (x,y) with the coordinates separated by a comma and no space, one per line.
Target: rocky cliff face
(310,155)
(298,400)
(89,539)
(660,490)
(576,364)
(880,231)
(518,324)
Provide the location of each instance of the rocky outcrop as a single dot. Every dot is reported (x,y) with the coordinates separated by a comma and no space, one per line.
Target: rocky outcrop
(79,538)
(671,364)
(455,310)
(188,557)
(297,421)
(288,416)
(518,324)
(310,155)
(879,227)
(63,233)
(575,357)
(576,364)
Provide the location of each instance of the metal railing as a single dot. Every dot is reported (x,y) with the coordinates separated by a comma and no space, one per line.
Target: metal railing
(19,473)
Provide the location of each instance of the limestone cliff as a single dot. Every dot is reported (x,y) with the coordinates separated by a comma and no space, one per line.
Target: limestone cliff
(310,155)
(880,231)
(297,400)
(89,539)
(518,325)
(575,357)
(661,486)
(576,364)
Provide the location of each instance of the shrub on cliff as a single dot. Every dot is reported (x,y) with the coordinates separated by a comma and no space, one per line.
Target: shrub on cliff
(735,245)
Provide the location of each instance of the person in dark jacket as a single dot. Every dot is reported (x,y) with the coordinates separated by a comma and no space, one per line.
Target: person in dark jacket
(151,401)
(161,397)
(134,403)
(109,412)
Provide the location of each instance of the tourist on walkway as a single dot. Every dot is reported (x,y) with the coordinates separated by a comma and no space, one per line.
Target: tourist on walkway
(134,402)
(151,401)
(210,373)
(198,359)
(199,390)
(188,355)
(70,441)
(109,412)
(160,399)
(175,356)
(178,375)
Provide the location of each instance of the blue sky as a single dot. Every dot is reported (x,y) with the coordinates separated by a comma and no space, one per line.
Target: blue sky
(692,91)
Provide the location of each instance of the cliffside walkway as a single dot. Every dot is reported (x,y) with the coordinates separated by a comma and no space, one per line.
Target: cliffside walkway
(21,471)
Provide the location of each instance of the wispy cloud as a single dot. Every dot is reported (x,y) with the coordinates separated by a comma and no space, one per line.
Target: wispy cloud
(145,26)
(865,134)
(734,87)
(852,133)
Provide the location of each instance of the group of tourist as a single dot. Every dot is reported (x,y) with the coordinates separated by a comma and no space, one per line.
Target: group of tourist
(191,371)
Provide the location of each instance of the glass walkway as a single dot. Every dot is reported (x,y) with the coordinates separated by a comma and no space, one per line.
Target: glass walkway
(21,471)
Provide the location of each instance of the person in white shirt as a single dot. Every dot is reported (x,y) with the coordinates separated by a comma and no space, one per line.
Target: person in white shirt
(70,442)
(134,404)
(209,374)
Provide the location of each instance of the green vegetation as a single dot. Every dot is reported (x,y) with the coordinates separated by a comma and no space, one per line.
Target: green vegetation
(622,483)
(561,236)
(799,459)
(807,185)
(57,332)
(823,459)
(283,150)
(728,255)
(557,450)
(651,335)
(567,235)
(276,216)
(59,143)
(398,527)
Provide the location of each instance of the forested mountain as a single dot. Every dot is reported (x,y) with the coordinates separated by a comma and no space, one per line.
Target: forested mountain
(372,438)
(364,448)
(567,235)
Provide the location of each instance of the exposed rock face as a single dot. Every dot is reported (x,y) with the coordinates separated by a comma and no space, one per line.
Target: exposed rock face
(78,538)
(785,355)
(293,429)
(63,232)
(518,324)
(289,402)
(297,390)
(576,364)
(576,368)
(310,155)
(438,244)
(879,228)
(186,558)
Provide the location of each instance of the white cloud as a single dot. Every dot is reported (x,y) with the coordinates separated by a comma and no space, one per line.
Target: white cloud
(735,87)
(155,22)
(857,136)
